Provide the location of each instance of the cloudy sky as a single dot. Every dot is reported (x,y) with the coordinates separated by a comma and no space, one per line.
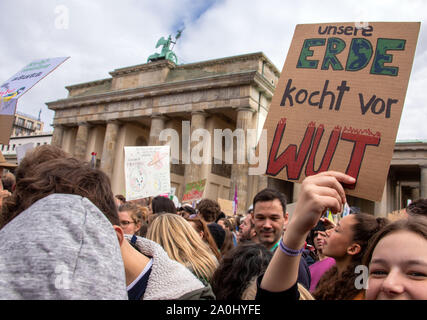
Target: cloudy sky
(103,35)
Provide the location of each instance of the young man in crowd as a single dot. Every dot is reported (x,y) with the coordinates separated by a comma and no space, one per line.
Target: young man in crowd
(270,219)
(247,230)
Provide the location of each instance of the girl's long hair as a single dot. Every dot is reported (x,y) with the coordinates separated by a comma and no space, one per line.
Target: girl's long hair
(182,243)
(201,226)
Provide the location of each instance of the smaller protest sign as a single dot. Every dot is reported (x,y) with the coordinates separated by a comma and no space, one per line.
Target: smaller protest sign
(18,85)
(147,171)
(226,206)
(194,191)
(397,215)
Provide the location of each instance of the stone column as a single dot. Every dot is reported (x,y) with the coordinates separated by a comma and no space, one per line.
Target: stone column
(239,172)
(415,193)
(380,207)
(91,143)
(262,182)
(118,184)
(157,125)
(81,141)
(108,150)
(193,171)
(58,133)
(296,191)
(423,182)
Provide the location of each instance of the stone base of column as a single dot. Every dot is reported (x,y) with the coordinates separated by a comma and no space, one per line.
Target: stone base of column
(423,182)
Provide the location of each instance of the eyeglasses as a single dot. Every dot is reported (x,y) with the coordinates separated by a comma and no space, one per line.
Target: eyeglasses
(125,223)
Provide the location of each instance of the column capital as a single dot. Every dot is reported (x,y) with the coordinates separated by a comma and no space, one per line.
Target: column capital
(84,123)
(245,109)
(158,115)
(423,180)
(113,121)
(199,112)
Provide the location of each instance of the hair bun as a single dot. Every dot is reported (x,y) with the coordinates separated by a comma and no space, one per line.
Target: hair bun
(382,222)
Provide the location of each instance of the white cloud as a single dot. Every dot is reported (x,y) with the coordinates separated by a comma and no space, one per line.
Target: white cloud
(104,35)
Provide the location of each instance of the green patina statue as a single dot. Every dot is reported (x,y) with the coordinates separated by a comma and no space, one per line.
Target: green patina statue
(166,52)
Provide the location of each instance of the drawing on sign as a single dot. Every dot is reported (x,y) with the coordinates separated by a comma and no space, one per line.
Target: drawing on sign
(147,171)
(157,160)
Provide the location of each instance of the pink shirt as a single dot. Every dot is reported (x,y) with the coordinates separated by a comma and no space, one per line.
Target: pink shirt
(317,270)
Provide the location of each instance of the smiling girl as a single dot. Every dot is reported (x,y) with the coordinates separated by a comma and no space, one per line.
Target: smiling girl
(397,260)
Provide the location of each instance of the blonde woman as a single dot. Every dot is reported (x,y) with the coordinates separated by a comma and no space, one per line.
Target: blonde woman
(183,244)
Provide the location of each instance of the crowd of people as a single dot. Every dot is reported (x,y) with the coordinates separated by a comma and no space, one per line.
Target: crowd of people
(65,235)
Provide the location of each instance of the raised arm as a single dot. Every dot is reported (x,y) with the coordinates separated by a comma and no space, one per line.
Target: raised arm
(318,193)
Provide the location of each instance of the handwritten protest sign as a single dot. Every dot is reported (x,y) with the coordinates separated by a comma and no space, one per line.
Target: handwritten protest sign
(397,215)
(194,191)
(18,85)
(147,171)
(338,102)
(226,206)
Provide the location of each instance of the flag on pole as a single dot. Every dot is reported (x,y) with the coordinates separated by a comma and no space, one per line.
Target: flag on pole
(330,217)
(346,210)
(235,199)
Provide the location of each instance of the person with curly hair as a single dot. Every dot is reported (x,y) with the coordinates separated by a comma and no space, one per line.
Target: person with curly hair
(37,156)
(208,210)
(238,268)
(346,243)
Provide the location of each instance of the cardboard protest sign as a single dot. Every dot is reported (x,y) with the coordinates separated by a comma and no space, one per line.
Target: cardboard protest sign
(194,191)
(397,215)
(19,84)
(338,102)
(147,171)
(226,206)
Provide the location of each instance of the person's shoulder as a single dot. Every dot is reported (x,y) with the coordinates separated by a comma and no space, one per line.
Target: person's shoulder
(205,293)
